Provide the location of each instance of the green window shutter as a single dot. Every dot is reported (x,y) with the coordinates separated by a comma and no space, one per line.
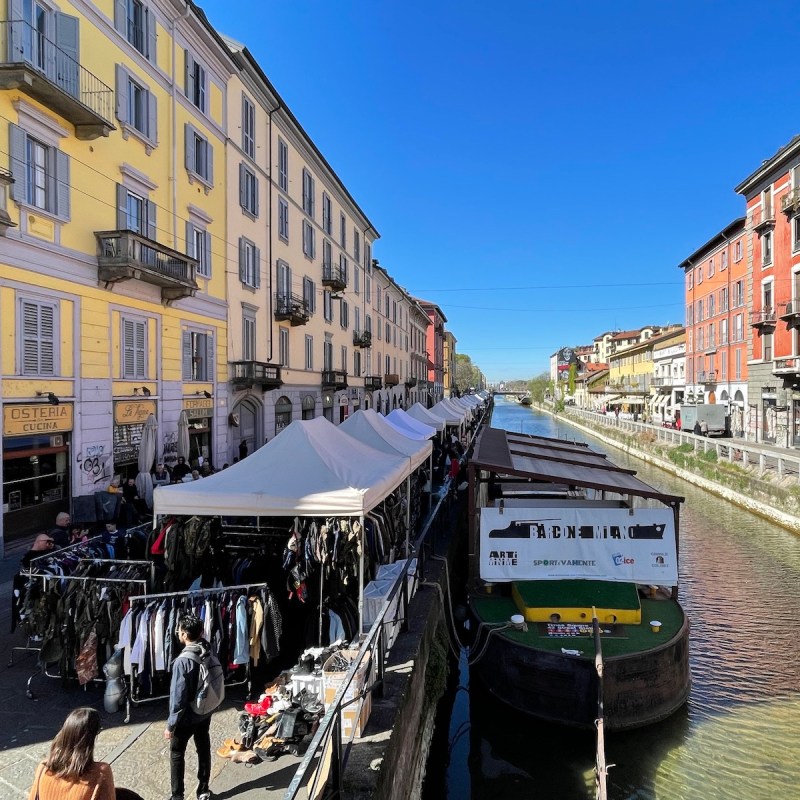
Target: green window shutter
(242,261)
(152,228)
(188,135)
(128,349)
(150,21)
(209,357)
(122,93)
(186,355)
(189,75)
(121,17)
(122,207)
(208,253)
(18,141)
(257,267)
(62,187)
(140,349)
(242,192)
(152,117)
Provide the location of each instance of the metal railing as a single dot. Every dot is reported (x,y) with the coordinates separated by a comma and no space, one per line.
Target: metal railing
(763,316)
(21,43)
(292,307)
(255,372)
(127,248)
(334,276)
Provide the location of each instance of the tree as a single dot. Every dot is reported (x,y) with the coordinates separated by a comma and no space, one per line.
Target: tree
(540,386)
(467,374)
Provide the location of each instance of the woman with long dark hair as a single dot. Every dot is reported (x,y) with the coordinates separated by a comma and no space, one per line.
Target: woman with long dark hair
(70,772)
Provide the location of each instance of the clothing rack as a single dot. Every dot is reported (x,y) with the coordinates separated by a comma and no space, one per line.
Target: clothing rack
(188,594)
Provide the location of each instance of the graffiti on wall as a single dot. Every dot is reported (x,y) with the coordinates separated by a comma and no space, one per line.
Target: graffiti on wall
(170,457)
(94,464)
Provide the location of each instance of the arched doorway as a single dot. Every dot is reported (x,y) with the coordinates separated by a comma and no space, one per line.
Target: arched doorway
(378,404)
(309,405)
(283,413)
(327,407)
(712,398)
(248,413)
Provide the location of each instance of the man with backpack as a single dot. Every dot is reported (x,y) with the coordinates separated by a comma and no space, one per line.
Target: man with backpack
(197,689)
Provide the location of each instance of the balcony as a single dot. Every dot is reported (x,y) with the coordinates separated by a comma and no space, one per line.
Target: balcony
(787,367)
(707,377)
(245,374)
(764,218)
(122,255)
(334,278)
(291,308)
(390,379)
(334,379)
(663,380)
(790,203)
(423,385)
(791,312)
(372,383)
(35,66)
(764,318)
(410,383)
(362,339)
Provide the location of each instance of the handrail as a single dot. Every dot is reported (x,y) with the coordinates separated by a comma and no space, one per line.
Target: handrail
(600,768)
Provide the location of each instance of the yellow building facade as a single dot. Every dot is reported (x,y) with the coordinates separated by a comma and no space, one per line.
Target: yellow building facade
(112,274)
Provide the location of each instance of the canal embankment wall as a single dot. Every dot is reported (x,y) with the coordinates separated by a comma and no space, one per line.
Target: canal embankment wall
(388,761)
(771,499)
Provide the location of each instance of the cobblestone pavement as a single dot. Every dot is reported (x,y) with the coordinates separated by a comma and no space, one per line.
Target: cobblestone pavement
(138,753)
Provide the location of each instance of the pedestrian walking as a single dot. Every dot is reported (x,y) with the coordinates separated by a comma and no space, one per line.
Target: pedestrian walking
(188,719)
(70,772)
(62,532)
(243,450)
(704,428)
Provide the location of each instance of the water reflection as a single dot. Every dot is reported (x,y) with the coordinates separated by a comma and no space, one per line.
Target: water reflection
(737,736)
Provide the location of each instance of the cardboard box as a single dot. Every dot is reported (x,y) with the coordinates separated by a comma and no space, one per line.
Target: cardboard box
(356,711)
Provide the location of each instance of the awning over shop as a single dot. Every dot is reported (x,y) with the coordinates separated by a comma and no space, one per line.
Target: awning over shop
(628,400)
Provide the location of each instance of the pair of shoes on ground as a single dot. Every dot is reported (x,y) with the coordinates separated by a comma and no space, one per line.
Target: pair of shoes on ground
(229,747)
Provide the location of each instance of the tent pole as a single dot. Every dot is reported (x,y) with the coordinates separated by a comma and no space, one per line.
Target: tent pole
(408,514)
(321,589)
(361,580)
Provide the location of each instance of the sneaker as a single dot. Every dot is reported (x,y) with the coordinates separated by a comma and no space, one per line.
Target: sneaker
(205,796)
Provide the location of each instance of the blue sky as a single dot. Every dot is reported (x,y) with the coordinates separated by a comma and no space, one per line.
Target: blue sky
(538,169)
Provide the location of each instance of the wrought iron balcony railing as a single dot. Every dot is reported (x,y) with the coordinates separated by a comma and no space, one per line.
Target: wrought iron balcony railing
(391,379)
(292,308)
(333,277)
(362,338)
(255,373)
(787,366)
(764,317)
(372,383)
(334,379)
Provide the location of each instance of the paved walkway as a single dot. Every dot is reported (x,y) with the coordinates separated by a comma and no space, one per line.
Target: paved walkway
(137,752)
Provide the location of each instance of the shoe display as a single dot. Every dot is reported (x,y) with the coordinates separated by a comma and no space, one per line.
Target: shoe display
(259,709)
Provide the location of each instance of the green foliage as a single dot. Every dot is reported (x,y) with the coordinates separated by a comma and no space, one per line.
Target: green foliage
(467,374)
(539,386)
(573,371)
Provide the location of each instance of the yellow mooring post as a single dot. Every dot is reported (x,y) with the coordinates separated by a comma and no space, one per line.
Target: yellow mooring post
(600,769)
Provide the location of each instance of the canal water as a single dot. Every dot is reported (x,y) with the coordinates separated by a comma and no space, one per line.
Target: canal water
(739,734)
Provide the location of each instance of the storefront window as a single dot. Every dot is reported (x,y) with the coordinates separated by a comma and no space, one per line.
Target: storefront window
(327,407)
(309,406)
(283,413)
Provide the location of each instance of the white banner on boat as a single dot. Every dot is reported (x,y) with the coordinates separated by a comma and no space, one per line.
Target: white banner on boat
(607,544)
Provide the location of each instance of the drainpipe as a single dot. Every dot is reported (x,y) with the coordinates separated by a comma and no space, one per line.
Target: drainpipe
(174,155)
(269,244)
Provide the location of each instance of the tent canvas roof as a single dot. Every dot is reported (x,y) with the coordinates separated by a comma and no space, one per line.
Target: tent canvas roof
(419,412)
(372,429)
(310,468)
(409,426)
(447,414)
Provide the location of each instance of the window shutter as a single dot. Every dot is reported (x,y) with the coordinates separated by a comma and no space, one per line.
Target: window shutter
(152,53)
(121,16)
(242,261)
(66,69)
(186,355)
(152,228)
(16,33)
(19,188)
(189,61)
(128,355)
(30,339)
(47,340)
(257,268)
(242,193)
(207,236)
(209,357)
(62,184)
(209,176)
(140,351)
(122,93)
(122,207)
(152,117)
(190,246)
(188,135)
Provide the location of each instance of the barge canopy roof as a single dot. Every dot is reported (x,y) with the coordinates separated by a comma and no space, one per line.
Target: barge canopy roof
(558,461)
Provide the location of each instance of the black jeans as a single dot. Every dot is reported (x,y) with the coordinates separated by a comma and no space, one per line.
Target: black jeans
(177,755)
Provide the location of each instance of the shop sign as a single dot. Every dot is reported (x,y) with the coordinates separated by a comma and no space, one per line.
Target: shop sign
(24,420)
(344,400)
(133,412)
(199,403)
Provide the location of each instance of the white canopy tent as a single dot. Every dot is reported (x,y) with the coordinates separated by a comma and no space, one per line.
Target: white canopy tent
(311,468)
(409,426)
(374,430)
(419,412)
(459,402)
(449,414)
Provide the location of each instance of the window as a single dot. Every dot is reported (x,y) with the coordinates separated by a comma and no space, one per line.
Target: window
(327,306)
(689,279)
(357,362)
(711,309)
(249,263)
(394,311)
(766,347)
(310,295)
(283,165)
(368,323)
(248,335)
(738,294)
(711,340)
(343,266)
(723,265)
(198,245)
(309,242)
(248,190)
(284,281)
(367,289)
(689,315)
(38,336)
(309,352)
(387,300)
(344,358)
(343,231)
(283,219)
(738,365)
(710,267)
(248,127)
(198,356)
(344,314)
(357,319)
(766,249)
(196,82)
(738,328)
(767,297)
(283,346)
(41,174)
(737,251)
(327,353)
(723,368)
(356,245)
(136,213)
(698,315)
(796,233)
(138,25)
(327,214)
(378,296)
(723,299)
(388,334)
(356,278)
(308,193)
(199,155)
(699,275)
(723,331)
(136,106)
(368,258)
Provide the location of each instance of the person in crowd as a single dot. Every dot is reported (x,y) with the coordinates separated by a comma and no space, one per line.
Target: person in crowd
(225,465)
(130,502)
(161,476)
(42,544)
(206,469)
(455,465)
(183,724)
(70,772)
(195,475)
(242,449)
(114,487)
(180,470)
(61,533)
(696,429)
(78,534)
(704,428)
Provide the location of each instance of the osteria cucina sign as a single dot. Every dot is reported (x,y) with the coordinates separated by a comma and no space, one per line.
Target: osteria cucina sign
(26,420)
